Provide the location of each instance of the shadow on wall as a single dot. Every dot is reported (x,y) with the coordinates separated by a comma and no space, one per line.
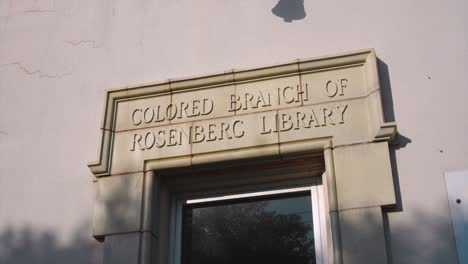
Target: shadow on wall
(410,244)
(116,207)
(429,243)
(386,90)
(289,10)
(26,246)
(389,116)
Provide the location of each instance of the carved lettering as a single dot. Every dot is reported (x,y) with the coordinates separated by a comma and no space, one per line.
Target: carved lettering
(313,119)
(211,132)
(161,141)
(136,140)
(150,140)
(136,120)
(208,106)
(316,117)
(198,135)
(224,130)
(237,131)
(195,108)
(306,93)
(171,112)
(264,128)
(288,99)
(332,88)
(329,116)
(342,109)
(158,118)
(286,122)
(248,99)
(169,137)
(235,103)
(343,83)
(261,100)
(172,137)
(184,109)
(300,116)
(148,115)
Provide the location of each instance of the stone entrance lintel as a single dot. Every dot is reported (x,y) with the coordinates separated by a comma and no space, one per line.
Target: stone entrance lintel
(270,108)
(329,104)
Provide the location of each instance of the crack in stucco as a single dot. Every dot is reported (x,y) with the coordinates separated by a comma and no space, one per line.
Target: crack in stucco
(83,42)
(34,72)
(38,10)
(51,9)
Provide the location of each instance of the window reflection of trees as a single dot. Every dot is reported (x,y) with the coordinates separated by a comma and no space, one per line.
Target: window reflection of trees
(248,233)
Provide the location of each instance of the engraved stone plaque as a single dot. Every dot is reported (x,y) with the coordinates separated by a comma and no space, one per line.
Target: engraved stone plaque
(336,98)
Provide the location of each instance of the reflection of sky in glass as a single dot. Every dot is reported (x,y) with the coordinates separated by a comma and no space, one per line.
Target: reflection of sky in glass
(267,230)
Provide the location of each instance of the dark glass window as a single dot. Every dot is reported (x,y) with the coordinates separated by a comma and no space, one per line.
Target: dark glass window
(270,229)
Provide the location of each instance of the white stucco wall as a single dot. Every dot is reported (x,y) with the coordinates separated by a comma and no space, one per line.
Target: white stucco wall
(58,57)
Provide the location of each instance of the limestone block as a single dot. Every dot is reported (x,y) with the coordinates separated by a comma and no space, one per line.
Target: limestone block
(363,176)
(362,236)
(328,97)
(118,204)
(346,121)
(332,85)
(267,94)
(132,148)
(234,132)
(122,249)
(202,104)
(142,112)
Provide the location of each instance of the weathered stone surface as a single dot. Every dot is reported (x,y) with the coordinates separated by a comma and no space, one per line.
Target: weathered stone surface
(117,208)
(345,121)
(267,94)
(132,148)
(330,105)
(333,85)
(336,98)
(363,176)
(201,104)
(232,133)
(142,113)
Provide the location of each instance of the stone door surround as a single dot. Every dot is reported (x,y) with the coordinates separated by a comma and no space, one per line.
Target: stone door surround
(328,104)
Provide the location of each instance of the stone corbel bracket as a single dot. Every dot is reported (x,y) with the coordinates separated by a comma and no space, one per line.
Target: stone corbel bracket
(387,132)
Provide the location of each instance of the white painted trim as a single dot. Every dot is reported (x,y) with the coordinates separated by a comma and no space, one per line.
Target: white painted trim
(316,225)
(322,215)
(246,195)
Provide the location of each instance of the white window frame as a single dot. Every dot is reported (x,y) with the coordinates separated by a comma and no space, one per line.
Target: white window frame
(318,218)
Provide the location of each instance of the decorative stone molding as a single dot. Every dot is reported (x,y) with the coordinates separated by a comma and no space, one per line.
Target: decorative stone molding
(330,105)
(341,92)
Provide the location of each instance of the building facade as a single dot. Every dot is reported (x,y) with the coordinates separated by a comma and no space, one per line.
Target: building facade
(359,106)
